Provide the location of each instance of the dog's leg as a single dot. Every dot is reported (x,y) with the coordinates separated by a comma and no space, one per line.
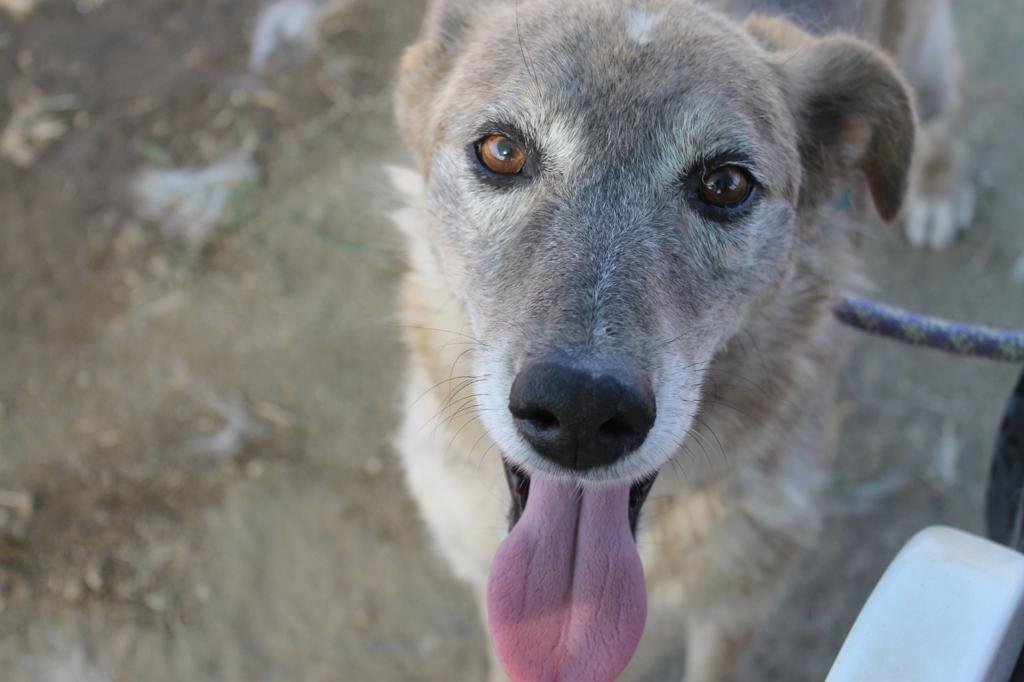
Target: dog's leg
(940,203)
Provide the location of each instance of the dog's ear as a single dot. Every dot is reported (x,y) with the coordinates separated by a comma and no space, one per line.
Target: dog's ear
(852,108)
(776,34)
(426,63)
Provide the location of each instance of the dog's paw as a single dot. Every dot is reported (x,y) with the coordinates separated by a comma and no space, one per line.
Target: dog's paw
(934,221)
(940,203)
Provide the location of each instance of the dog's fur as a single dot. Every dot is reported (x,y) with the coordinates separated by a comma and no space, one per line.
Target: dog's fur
(603,253)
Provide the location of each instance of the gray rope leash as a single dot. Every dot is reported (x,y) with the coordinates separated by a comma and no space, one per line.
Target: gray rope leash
(931,332)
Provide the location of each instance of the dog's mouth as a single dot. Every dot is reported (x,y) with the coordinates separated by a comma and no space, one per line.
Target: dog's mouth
(519,489)
(566,598)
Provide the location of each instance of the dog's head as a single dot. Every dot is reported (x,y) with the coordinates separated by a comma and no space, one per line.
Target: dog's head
(612,187)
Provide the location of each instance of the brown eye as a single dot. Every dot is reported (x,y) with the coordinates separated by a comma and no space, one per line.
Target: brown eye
(726,186)
(501,155)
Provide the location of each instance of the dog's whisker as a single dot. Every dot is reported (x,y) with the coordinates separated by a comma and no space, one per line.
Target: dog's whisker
(476,443)
(757,351)
(439,384)
(456,395)
(438,419)
(455,392)
(690,433)
(682,447)
(455,362)
(457,342)
(714,435)
(445,331)
(700,403)
(677,467)
(448,419)
(445,406)
(466,407)
(473,418)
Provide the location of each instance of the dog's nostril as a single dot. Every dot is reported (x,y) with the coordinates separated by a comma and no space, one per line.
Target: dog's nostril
(616,427)
(541,419)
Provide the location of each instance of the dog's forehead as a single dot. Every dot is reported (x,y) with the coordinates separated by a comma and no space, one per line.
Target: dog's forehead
(617,75)
(593,49)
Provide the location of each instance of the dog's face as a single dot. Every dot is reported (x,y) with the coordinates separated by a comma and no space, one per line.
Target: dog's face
(612,187)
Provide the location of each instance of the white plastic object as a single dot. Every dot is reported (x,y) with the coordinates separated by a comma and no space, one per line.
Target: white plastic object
(949,608)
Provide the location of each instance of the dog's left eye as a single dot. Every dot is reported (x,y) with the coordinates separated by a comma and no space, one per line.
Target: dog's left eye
(725,186)
(499,154)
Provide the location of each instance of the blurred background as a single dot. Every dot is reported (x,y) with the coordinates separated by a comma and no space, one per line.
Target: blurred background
(199,364)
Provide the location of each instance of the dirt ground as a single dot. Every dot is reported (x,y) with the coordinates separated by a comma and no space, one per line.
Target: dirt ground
(195,476)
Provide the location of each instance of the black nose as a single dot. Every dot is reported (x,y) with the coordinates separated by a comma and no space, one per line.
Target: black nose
(578,418)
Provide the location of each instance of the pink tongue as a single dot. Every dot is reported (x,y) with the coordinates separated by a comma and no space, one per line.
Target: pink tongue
(566,598)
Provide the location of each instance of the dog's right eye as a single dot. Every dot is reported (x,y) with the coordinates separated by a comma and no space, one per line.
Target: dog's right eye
(725,187)
(499,154)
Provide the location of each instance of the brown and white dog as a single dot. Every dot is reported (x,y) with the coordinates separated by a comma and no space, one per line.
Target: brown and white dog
(624,256)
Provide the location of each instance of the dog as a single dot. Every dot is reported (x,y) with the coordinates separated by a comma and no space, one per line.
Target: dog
(625,240)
